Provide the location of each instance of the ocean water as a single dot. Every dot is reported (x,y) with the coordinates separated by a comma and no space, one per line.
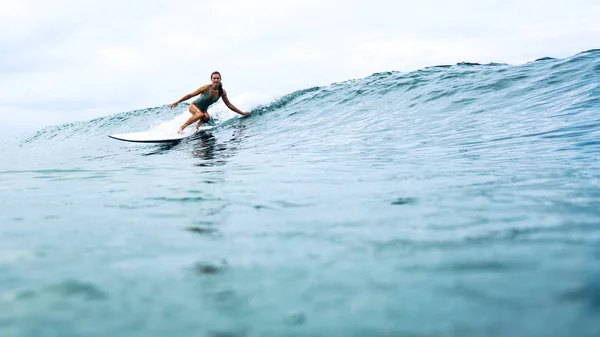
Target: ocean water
(458,200)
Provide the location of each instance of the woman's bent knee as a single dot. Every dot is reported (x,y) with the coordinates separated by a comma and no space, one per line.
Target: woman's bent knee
(193,109)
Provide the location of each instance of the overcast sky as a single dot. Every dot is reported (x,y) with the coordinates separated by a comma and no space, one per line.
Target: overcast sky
(68,60)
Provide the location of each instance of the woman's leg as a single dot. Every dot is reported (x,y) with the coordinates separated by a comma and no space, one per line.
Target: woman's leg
(198,114)
(205,118)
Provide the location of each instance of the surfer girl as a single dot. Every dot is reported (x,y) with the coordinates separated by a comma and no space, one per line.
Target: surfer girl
(210,95)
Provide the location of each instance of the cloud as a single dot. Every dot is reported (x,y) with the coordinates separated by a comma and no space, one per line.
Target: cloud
(66,59)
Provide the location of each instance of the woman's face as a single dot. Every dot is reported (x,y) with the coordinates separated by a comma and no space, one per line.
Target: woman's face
(216,79)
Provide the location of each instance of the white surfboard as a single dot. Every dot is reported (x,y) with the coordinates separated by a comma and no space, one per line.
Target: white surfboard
(160,136)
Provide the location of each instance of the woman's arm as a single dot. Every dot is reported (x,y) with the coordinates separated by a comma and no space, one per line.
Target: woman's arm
(190,95)
(231,106)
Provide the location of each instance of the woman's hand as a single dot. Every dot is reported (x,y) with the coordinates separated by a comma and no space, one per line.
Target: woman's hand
(172,105)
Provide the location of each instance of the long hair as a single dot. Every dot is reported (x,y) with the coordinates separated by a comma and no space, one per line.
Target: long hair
(220,84)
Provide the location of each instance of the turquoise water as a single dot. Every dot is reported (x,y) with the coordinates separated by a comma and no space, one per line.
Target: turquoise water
(457,200)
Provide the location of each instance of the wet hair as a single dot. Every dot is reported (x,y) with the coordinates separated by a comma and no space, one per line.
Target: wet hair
(220,84)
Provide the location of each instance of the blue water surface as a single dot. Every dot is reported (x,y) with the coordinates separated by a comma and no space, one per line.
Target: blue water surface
(459,200)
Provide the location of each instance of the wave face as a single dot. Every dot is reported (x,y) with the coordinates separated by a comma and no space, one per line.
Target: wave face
(457,200)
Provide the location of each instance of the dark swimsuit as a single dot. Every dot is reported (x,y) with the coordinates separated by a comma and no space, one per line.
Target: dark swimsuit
(204,101)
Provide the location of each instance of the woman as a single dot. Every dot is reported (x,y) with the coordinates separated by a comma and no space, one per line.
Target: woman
(210,95)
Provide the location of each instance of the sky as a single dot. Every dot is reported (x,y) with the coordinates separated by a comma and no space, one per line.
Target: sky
(70,60)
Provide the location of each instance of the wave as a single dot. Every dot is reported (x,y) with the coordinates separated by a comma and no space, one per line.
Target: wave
(446,98)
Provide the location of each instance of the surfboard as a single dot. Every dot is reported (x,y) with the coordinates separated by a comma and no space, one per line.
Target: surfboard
(161,136)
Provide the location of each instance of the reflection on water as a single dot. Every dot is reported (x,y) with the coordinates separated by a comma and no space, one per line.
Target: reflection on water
(211,151)
(205,146)
(163,148)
